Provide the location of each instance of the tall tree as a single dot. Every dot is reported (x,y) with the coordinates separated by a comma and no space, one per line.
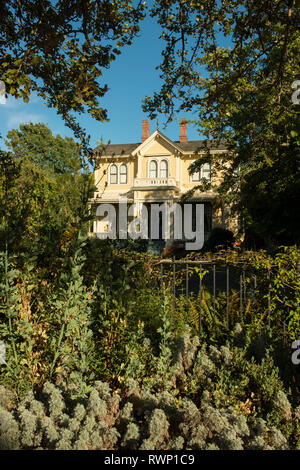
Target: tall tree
(234,62)
(42,191)
(59,49)
(36,143)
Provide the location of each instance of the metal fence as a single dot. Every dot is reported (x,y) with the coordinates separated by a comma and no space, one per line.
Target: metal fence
(249,286)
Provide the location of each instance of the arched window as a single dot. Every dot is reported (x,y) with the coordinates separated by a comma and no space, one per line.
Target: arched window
(123,174)
(206,171)
(164,169)
(153,169)
(113,172)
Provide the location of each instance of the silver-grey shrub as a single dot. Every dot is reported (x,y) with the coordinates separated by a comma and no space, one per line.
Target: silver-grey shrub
(146,422)
(199,403)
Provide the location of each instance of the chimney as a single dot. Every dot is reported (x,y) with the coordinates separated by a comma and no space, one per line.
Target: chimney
(146,130)
(182,136)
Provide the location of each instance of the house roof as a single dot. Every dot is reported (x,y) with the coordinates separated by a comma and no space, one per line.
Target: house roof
(191,146)
(195,145)
(118,149)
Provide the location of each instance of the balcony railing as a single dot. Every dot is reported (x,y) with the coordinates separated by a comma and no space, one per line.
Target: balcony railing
(148,182)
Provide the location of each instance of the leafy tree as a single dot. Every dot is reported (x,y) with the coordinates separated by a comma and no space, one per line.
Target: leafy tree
(59,49)
(36,143)
(233,63)
(42,193)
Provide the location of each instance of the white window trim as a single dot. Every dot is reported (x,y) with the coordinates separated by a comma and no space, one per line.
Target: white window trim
(157,166)
(195,180)
(109,173)
(159,170)
(158,161)
(201,174)
(118,165)
(127,177)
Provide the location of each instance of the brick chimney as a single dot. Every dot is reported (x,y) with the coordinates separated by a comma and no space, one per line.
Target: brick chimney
(146,130)
(182,135)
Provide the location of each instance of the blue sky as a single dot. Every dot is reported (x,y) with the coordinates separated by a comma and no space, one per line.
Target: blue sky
(130,78)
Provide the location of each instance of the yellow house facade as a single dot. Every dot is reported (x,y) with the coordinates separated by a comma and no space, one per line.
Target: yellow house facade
(154,171)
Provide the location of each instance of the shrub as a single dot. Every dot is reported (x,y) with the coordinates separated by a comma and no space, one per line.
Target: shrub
(219,238)
(190,396)
(140,421)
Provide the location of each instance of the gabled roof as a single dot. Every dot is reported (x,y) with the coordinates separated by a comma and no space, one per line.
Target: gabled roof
(158,136)
(191,146)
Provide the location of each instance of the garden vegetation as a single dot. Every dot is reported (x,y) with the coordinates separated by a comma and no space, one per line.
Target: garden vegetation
(96,352)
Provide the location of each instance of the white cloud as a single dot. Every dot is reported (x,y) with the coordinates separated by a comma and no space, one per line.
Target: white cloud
(22,118)
(11,102)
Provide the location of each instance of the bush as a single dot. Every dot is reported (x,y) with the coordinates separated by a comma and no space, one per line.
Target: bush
(66,337)
(219,238)
(159,413)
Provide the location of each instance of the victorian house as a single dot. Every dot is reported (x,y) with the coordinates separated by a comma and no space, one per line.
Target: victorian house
(156,170)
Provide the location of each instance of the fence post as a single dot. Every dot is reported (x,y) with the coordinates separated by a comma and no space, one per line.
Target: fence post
(174,297)
(227,295)
(284,317)
(200,315)
(269,297)
(187,286)
(244,290)
(241,298)
(255,307)
(214,289)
